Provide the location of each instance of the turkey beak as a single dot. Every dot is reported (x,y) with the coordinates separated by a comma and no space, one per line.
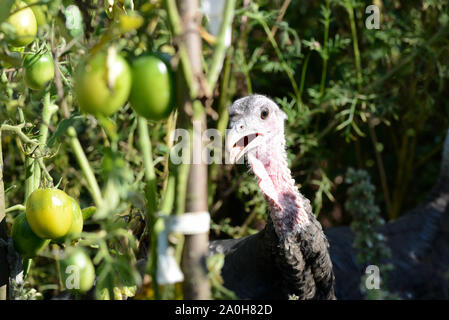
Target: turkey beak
(239,143)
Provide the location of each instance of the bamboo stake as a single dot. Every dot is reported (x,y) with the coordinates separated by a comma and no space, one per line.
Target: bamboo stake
(196,283)
(192,85)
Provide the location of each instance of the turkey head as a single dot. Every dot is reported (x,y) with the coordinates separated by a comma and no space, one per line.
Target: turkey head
(256,129)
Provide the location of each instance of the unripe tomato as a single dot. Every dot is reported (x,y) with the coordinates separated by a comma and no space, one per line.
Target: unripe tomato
(39,12)
(77,222)
(152,92)
(102,84)
(39,69)
(49,213)
(24,23)
(26,242)
(77,271)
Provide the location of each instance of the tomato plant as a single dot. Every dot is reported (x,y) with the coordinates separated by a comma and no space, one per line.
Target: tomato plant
(26,242)
(79,82)
(38,70)
(152,93)
(49,212)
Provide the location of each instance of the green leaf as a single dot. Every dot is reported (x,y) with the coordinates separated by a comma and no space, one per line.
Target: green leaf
(62,128)
(74,21)
(130,22)
(5,8)
(88,212)
(105,281)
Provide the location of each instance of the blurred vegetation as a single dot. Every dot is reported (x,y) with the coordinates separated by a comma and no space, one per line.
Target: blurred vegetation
(370,245)
(355,97)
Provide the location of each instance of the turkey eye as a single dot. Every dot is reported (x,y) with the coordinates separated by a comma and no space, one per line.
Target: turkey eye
(264,114)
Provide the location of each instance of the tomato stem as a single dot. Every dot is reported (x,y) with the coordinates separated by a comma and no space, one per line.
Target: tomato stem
(220,45)
(33,181)
(26,267)
(17,207)
(92,183)
(155,224)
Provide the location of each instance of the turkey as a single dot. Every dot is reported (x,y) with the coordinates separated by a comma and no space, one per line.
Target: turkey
(293,257)
(290,256)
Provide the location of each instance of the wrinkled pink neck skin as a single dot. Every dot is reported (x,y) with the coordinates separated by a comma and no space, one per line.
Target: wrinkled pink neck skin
(269,164)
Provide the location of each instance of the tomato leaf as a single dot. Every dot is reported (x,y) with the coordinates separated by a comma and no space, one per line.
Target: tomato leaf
(74,21)
(130,22)
(128,276)
(62,128)
(5,9)
(88,212)
(105,280)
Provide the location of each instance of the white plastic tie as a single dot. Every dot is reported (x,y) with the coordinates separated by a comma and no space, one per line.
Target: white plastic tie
(168,270)
(189,223)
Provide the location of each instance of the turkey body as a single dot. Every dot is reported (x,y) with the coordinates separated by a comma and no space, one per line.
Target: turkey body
(262,266)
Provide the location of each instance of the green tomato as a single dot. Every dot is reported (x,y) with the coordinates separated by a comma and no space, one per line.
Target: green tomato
(77,223)
(49,213)
(39,70)
(77,271)
(40,12)
(25,25)
(152,93)
(102,84)
(26,242)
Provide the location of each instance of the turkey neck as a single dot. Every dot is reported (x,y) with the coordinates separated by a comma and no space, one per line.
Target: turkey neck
(287,205)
